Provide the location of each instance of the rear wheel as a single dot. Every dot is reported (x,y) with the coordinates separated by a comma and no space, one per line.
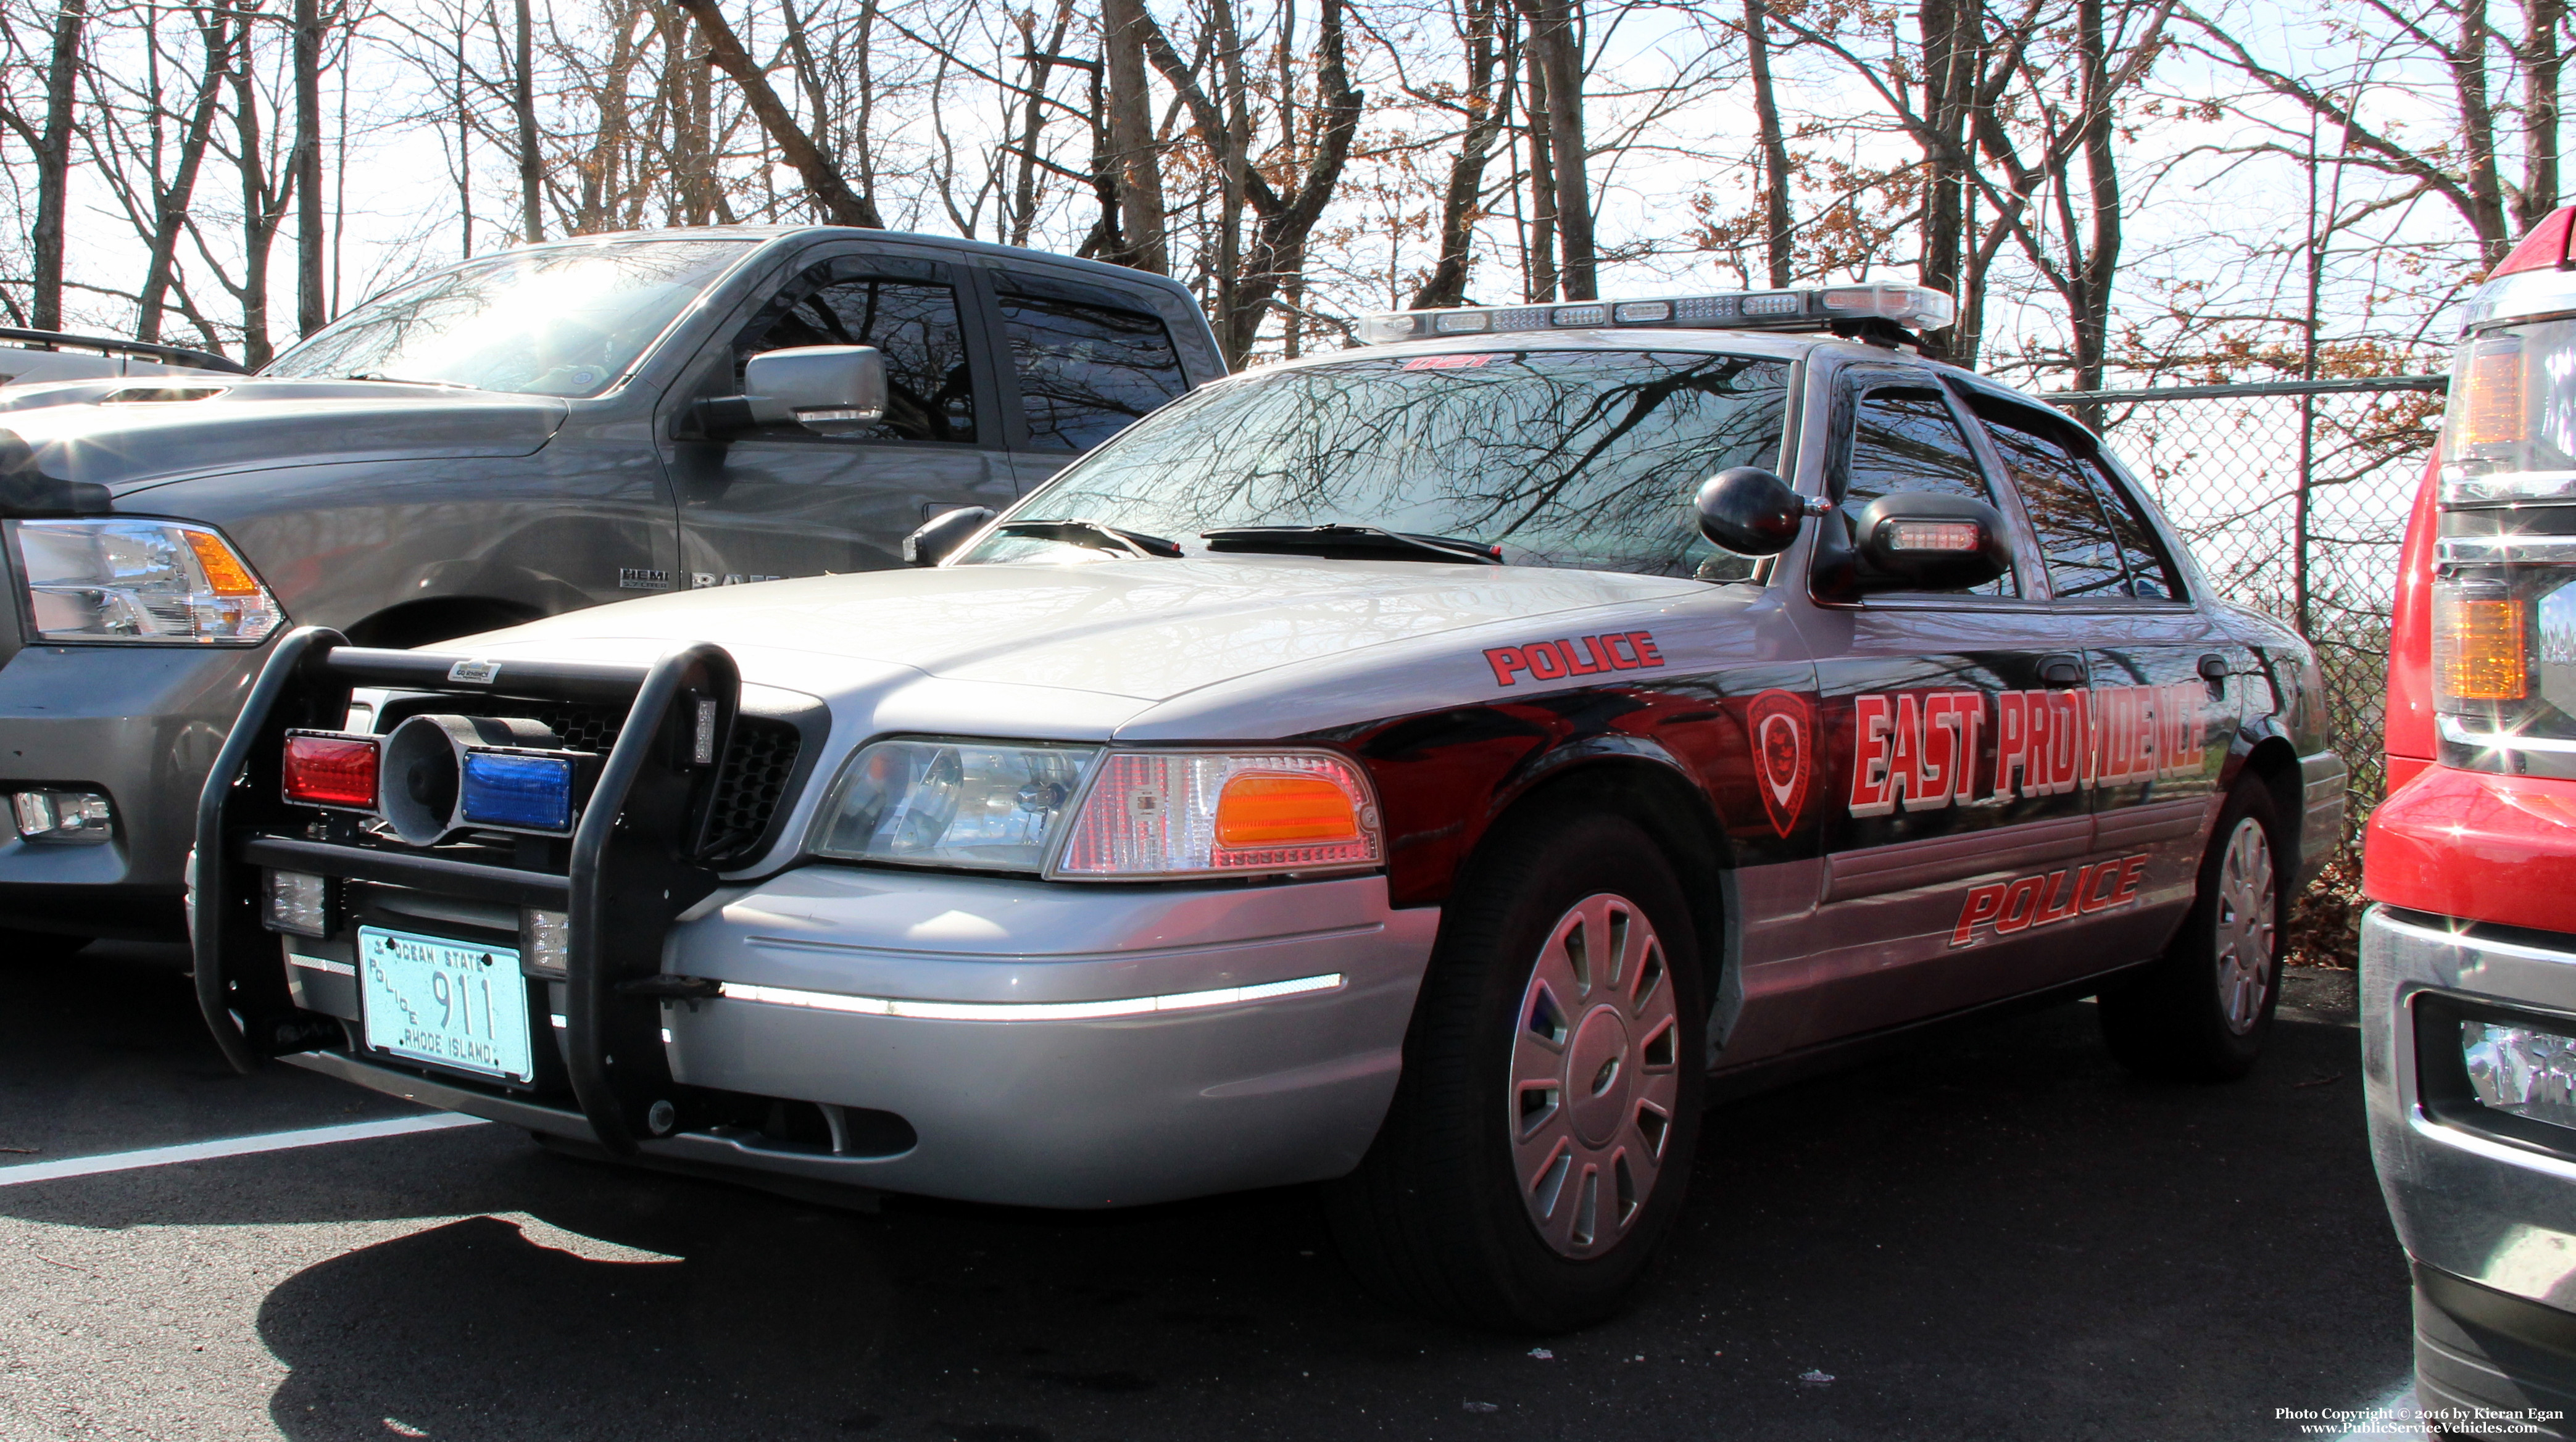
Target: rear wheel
(2201,1012)
(1541,1136)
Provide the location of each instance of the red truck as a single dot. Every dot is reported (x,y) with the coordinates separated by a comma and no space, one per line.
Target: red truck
(2468,954)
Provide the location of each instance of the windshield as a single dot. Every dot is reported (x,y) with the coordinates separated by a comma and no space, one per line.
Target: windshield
(566,321)
(1583,459)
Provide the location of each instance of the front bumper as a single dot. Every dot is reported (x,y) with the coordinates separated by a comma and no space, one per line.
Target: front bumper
(142,724)
(1007,1100)
(2487,1214)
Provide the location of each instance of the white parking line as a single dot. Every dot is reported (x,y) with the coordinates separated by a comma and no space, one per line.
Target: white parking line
(27,1172)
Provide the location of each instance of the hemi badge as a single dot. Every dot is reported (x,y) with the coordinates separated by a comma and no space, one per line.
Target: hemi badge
(481,673)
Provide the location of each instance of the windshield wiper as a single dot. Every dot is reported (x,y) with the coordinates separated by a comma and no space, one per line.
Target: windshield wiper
(402,380)
(1352,543)
(1093,534)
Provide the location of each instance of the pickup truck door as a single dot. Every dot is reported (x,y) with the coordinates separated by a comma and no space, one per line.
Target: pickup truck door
(783,501)
(2163,700)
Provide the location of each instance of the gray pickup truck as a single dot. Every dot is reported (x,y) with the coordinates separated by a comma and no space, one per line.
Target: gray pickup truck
(517,436)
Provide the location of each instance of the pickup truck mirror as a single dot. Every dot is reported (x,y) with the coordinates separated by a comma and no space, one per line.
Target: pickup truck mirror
(1922,540)
(942,534)
(832,390)
(1750,511)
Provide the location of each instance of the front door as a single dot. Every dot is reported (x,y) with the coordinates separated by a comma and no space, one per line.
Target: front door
(2164,696)
(1952,733)
(783,501)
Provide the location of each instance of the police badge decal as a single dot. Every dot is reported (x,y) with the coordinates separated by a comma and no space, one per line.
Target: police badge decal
(1779,726)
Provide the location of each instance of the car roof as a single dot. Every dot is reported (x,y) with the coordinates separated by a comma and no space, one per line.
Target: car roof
(1768,345)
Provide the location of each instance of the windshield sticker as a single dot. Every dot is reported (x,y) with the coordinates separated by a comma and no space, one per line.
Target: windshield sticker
(2028,901)
(1778,724)
(1579,656)
(1451,362)
(1918,750)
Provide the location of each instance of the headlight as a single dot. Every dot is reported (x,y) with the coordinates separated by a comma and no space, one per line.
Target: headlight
(952,803)
(121,580)
(1079,815)
(1198,813)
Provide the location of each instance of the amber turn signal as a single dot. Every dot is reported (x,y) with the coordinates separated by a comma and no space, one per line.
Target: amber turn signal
(2479,647)
(1276,809)
(2490,405)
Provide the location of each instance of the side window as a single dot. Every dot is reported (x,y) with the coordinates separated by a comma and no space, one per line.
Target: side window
(1087,371)
(2075,541)
(2151,572)
(930,393)
(1905,439)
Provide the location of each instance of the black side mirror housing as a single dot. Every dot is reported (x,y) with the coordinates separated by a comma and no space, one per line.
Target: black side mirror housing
(1750,511)
(1926,541)
(940,536)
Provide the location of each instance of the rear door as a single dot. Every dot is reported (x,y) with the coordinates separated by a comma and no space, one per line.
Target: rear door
(784,501)
(1949,751)
(2163,700)
(1087,359)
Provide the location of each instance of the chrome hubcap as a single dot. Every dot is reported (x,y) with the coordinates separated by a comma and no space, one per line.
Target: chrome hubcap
(2247,900)
(1595,1073)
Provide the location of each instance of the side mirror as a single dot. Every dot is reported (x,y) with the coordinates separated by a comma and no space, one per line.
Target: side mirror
(1751,512)
(1926,541)
(832,390)
(942,534)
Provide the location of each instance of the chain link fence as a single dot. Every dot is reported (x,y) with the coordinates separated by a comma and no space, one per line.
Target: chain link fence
(2294,497)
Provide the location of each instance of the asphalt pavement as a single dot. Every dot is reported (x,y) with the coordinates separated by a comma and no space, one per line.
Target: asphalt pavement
(1992,1234)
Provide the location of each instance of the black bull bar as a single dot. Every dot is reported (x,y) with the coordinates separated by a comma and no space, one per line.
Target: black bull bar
(636,860)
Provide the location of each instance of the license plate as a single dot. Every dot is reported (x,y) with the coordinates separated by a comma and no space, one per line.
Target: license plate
(451,1003)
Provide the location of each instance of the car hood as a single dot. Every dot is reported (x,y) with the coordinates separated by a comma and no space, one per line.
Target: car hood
(1111,638)
(111,432)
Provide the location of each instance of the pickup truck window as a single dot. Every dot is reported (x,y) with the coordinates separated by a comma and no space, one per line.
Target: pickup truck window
(561,321)
(930,392)
(1086,371)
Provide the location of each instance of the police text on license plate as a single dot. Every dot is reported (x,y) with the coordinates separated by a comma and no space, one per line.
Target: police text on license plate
(452,1003)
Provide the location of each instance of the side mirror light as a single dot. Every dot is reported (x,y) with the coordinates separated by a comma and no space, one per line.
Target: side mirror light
(1752,512)
(1927,541)
(832,390)
(941,535)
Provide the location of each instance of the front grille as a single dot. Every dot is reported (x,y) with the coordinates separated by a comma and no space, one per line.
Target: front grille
(583,728)
(750,785)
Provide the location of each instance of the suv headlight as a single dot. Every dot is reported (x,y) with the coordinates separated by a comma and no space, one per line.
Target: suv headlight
(1078,813)
(141,581)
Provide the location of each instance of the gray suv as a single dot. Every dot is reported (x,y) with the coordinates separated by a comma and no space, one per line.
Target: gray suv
(520,435)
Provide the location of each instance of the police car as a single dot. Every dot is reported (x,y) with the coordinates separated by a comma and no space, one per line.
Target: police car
(1418,769)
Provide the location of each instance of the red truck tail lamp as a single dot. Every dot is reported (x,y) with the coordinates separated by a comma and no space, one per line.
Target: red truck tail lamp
(329,770)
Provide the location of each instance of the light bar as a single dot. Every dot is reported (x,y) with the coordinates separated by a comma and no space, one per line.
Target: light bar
(324,769)
(1026,1010)
(1813,308)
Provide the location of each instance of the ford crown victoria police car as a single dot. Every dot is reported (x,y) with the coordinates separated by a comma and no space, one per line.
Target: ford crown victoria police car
(1417,769)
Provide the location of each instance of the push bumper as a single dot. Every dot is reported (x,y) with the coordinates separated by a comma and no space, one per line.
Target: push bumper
(1029,1043)
(2485,1207)
(141,724)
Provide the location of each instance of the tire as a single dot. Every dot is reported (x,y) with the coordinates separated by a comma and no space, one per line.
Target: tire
(34,948)
(1489,1197)
(2201,1012)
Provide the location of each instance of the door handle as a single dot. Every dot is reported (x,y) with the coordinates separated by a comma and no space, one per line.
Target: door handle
(2061,671)
(2215,670)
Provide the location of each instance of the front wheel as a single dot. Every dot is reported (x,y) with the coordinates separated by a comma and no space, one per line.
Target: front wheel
(1541,1135)
(2202,1010)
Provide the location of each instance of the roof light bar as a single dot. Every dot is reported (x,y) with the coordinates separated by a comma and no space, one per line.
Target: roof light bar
(1811,308)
